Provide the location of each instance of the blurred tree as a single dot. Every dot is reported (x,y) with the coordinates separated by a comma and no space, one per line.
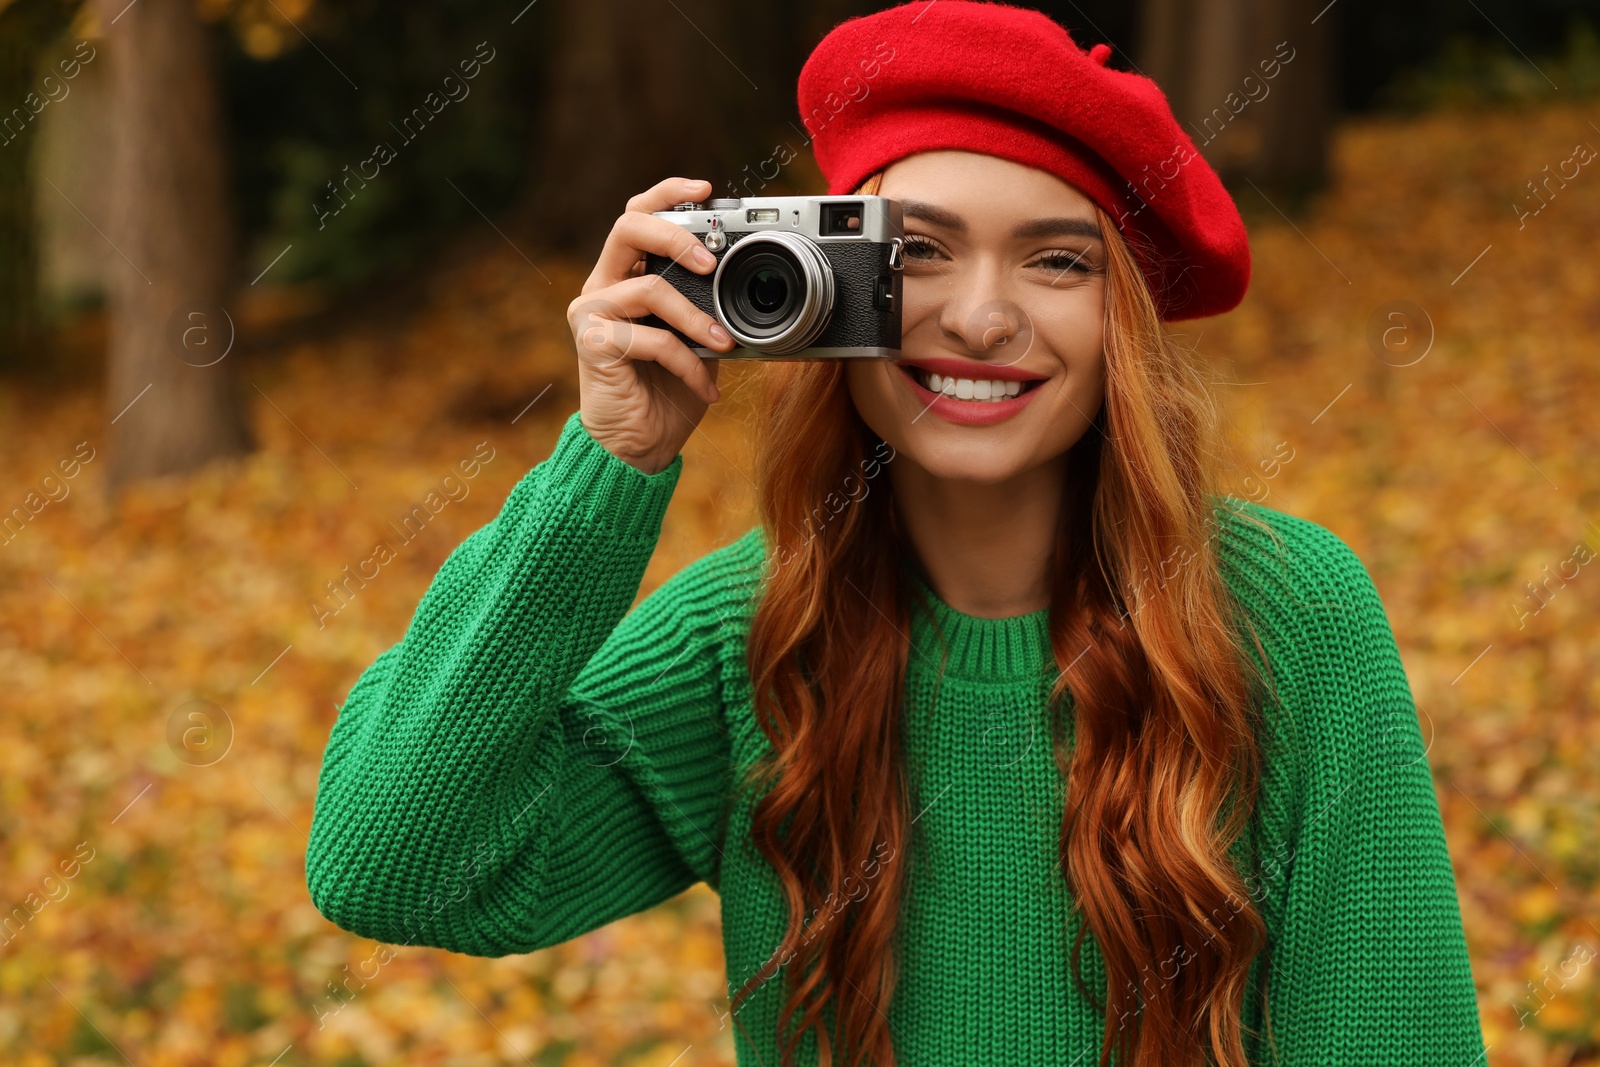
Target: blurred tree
(296,120)
(640,90)
(27,30)
(169,387)
(1255,82)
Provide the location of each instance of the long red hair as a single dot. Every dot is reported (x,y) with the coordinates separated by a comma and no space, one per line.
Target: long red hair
(1164,763)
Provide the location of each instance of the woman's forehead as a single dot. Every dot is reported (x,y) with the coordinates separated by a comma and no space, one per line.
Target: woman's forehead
(974,184)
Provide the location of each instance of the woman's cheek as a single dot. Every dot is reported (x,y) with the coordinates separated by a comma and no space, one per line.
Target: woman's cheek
(1075,336)
(1072,343)
(1072,325)
(922,297)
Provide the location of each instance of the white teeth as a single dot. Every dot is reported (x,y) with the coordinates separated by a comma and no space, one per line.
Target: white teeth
(975,389)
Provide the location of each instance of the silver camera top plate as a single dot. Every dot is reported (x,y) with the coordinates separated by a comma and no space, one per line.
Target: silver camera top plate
(881,220)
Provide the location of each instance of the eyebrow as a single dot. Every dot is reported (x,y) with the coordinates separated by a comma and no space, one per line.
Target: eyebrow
(1050,227)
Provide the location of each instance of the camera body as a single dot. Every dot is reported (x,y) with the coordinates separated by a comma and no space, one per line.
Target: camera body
(797,277)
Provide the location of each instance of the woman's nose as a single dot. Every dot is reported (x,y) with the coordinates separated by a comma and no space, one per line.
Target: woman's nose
(978,312)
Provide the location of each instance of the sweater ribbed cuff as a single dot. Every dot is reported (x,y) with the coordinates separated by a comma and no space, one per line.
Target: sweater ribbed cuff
(604,490)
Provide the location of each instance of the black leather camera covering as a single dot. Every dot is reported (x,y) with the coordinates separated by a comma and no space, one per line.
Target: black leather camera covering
(856,321)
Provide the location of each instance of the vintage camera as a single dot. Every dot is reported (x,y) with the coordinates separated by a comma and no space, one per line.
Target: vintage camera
(797,277)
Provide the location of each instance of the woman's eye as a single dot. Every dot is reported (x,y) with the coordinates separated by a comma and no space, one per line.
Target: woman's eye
(920,248)
(1060,262)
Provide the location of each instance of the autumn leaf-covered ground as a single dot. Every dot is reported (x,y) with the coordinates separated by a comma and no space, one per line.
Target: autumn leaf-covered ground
(1459,470)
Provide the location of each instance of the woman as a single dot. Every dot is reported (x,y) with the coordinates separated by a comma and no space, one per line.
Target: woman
(1004,737)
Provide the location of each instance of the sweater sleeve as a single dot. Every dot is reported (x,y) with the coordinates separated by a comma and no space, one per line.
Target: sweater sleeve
(528,764)
(1371,966)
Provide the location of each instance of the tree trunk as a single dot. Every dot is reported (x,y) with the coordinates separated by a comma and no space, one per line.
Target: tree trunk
(27,32)
(1297,121)
(1252,81)
(170,387)
(642,90)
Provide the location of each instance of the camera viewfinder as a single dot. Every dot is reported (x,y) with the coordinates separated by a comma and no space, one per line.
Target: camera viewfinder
(841,220)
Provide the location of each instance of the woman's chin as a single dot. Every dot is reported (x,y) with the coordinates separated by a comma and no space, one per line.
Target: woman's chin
(985,458)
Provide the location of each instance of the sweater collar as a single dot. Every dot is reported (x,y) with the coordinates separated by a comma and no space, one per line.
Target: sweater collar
(993,650)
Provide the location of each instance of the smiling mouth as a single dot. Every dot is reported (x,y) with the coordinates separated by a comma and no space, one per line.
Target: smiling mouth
(977,390)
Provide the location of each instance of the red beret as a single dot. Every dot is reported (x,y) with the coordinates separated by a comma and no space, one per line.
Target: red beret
(1010,82)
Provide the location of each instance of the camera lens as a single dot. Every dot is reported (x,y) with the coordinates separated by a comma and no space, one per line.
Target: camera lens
(773,292)
(762,285)
(768,289)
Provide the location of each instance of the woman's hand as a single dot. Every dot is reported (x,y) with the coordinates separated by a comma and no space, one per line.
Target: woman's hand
(642,391)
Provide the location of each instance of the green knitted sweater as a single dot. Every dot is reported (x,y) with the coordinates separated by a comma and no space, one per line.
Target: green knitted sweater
(533,760)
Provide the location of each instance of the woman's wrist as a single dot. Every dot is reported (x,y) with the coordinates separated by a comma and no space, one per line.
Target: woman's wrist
(606,489)
(645,457)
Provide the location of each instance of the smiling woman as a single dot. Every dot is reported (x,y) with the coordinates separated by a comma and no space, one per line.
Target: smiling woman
(1107,819)
(1016,278)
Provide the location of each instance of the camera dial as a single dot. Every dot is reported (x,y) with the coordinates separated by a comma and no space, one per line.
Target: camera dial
(715,239)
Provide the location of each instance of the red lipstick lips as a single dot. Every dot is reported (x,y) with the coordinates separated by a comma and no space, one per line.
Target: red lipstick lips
(969,412)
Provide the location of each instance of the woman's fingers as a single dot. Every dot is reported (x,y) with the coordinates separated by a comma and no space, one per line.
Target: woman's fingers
(603,328)
(638,231)
(663,194)
(614,341)
(647,294)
